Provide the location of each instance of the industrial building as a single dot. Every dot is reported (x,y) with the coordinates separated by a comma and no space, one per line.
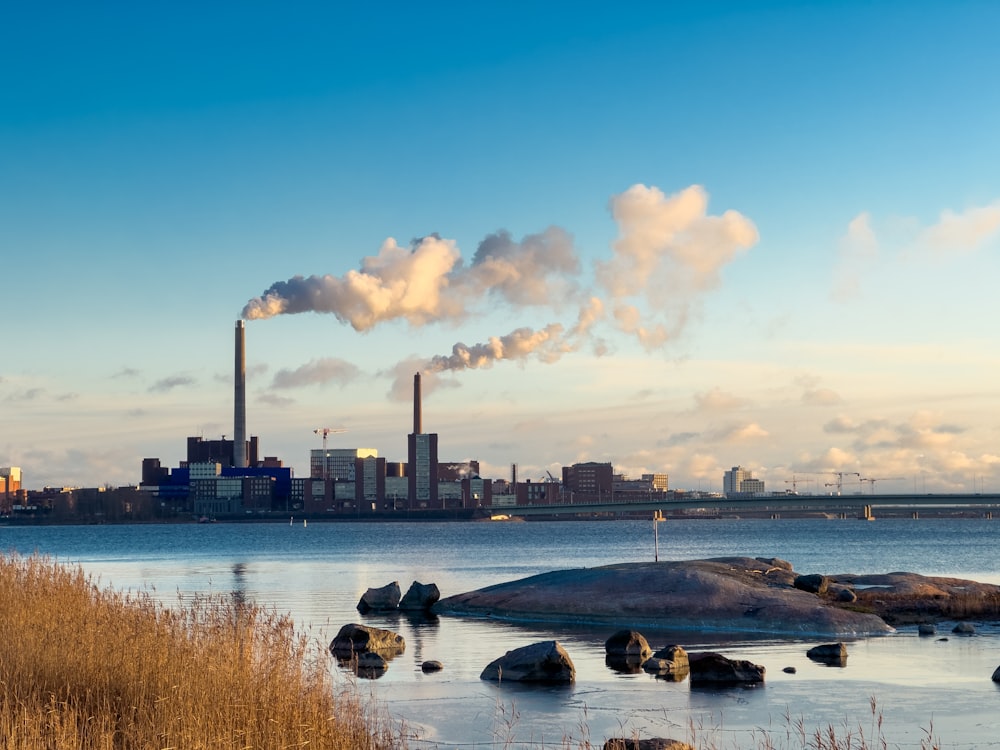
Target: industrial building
(227,477)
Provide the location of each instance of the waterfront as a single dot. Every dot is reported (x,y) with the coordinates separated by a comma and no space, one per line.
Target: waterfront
(317,573)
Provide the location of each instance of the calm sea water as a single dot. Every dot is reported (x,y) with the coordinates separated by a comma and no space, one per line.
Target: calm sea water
(318,573)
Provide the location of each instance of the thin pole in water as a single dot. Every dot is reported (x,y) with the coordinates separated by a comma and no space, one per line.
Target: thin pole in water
(657,517)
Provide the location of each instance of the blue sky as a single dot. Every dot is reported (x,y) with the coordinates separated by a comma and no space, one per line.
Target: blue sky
(163,165)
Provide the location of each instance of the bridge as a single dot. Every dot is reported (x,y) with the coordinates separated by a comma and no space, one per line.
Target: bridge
(861,504)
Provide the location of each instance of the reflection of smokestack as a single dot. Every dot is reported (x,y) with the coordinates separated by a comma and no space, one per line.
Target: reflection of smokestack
(240,401)
(417,417)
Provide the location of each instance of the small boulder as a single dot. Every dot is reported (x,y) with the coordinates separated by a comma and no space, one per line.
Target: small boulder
(357,639)
(927,628)
(996,675)
(964,628)
(834,654)
(368,665)
(789,670)
(843,594)
(814,583)
(775,562)
(653,743)
(676,655)
(710,668)
(546,661)
(431,666)
(420,597)
(625,643)
(382,599)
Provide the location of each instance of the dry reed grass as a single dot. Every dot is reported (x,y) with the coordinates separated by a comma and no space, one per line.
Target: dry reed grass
(86,668)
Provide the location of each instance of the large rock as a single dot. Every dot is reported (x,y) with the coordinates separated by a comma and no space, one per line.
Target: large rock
(834,654)
(996,675)
(813,583)
(381,599)
(670,663)
(624,643)
(546,661)
(653,743)
(710,668)
(728,593)
(420,597)
(356,639)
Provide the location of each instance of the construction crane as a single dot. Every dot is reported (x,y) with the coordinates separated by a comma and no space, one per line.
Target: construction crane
(872,480)
(327,431)
(839,484)
(794,481)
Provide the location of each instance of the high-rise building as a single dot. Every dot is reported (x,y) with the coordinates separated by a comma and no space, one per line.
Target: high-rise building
(739,481)
(422,458)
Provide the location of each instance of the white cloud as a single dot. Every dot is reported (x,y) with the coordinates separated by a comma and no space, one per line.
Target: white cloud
(858,249)
(963,232)
(717,400)
(316,372)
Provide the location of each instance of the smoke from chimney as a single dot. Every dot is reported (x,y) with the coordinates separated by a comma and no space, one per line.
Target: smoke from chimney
(669,252)
(240,399)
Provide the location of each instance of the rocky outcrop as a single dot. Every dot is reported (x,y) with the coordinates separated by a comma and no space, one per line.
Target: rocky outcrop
(357,639)
(381,599)
(653,743)
(546,662)
(709,669)
(910,598)
(834,654)
(728,593)
(420,597)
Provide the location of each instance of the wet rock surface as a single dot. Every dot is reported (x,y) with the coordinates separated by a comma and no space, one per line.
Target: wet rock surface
(731,593)
(738,594)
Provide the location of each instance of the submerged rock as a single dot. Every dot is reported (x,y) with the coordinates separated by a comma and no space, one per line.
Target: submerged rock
(357,639)
(834,654)
(546,662)
(381,599)
(710,668)
(420,597)
(628,643)
(670,663)
(653,743)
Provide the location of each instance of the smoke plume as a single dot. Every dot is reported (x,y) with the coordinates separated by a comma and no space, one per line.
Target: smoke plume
(669,252)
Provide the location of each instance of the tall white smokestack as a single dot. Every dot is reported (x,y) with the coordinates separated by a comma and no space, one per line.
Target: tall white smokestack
(240,401)
(417,416)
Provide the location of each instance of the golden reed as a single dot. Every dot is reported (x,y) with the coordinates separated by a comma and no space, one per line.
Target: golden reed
(88,668)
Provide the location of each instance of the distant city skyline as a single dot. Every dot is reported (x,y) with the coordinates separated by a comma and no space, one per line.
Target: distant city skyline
(676,238)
